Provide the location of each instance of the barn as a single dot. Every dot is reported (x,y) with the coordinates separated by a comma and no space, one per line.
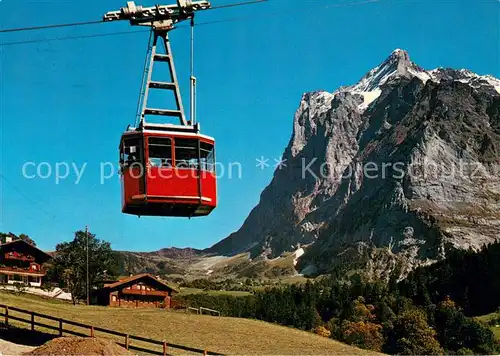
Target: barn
(139,291)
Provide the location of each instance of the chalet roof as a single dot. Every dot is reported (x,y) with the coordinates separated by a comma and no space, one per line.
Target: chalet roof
(136,278)
(23,244)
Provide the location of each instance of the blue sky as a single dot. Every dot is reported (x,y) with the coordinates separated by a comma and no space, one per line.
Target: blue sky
(69,101)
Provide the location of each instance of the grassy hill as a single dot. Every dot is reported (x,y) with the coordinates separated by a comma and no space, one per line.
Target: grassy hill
(191,264)
(493,321)
(219,334)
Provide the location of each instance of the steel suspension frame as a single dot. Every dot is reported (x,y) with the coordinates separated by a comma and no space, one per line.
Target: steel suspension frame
(154,56)
(162,19)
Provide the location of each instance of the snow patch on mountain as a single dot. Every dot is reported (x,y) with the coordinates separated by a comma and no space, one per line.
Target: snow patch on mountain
(398,65)
(369,97)
(298,254)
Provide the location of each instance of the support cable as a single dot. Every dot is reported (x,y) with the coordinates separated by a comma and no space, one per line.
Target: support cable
(237,4)
(45,27)
(144,72)
(193,78)
(50,26)
(236,19)
(73,37)
(34,203)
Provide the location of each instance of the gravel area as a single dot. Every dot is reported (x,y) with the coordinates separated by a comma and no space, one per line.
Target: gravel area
(76,346)
(10,349)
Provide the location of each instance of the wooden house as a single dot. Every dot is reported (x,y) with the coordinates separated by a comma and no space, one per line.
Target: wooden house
(21,262)
(140,291)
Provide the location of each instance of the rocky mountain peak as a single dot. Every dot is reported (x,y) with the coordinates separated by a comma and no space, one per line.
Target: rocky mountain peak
(395,67)
(325,199)
(398,64)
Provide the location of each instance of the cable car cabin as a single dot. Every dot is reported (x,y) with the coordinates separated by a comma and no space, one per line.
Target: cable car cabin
(168,173)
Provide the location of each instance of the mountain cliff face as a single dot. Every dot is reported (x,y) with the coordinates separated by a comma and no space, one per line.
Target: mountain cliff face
(406,161)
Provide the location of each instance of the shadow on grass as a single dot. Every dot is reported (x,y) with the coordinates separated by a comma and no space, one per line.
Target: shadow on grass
(23,336)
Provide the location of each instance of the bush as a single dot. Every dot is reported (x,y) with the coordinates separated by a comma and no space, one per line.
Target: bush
(335,328)
(20,287)
(322,331)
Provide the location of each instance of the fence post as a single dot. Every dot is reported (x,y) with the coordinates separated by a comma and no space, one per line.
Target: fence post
(126,341)
(92,331)
(164,348)
(60,327)
(32,321)
(6,316)
(205,353)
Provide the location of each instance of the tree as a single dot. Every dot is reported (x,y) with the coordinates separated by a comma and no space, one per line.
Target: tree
(457,332)
(411,335)
(26,238)
(3,238)
(362,312)
(70,265)
(363,334)
(360,330)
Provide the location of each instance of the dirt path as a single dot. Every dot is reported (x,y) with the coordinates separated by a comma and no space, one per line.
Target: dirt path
(10,349)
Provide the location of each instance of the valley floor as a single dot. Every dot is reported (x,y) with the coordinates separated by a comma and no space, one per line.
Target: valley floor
(218,334)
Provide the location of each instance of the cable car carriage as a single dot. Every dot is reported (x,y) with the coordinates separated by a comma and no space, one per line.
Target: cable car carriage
(166,169)
(167,172)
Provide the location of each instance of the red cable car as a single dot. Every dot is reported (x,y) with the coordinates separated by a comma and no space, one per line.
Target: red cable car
(167,169)
(168,173)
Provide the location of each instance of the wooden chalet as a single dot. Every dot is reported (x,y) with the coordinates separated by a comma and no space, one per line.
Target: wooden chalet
(140,291)
(21,262)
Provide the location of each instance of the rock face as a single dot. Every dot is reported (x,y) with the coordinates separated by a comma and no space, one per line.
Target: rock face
(406,161)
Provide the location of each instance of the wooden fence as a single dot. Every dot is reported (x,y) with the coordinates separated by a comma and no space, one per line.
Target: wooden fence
(200,310)
(36,318)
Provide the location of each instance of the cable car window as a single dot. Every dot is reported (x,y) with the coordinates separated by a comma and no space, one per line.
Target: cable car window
(160,151)
(130,152)
(186,153)
(207,157)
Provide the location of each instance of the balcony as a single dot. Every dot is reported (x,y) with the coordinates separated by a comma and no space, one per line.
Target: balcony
(144,292)
(40,272)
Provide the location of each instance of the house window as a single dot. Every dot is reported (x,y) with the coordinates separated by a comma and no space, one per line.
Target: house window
(16,278)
